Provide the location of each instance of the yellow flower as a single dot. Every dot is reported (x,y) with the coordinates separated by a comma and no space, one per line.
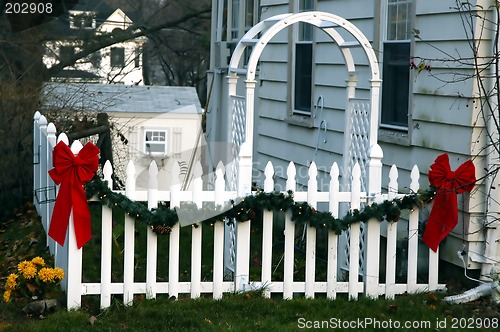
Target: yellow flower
(28,269)
(59,273)
(38,261)
(11,281)
(46,274)
(6,295)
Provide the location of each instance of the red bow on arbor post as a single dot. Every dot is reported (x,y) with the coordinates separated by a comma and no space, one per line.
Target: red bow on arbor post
(444,214)
(72,172)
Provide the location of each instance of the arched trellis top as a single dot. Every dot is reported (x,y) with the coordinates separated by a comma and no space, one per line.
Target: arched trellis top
(361,117)
(325,21)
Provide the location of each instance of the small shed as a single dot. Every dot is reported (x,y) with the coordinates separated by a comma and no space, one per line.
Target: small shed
(160,123)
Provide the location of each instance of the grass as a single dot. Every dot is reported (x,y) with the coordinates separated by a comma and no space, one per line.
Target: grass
(23,238)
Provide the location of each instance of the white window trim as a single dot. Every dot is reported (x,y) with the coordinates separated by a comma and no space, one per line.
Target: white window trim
(165,143)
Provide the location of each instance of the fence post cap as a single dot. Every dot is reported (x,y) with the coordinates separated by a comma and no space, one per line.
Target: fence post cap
(375,151)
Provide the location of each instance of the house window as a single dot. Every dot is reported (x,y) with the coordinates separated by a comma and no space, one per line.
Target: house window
(241,15)
(117,57)
(82,21)
(302,81)
(395,64)
(137,58)
(155,142)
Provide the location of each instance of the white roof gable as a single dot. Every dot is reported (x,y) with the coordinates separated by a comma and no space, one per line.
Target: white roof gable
(116,20)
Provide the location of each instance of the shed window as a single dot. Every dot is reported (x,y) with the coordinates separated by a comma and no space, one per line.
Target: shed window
(155,142)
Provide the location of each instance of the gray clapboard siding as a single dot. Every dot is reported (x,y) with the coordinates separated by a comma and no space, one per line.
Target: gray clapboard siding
(275,52)
(274,71)
(429,24)
(352,10)
(442,109)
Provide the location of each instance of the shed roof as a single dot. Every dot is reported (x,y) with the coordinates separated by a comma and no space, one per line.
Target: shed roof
(120,98)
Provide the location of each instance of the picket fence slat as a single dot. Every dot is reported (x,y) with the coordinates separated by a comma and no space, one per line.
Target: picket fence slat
(196,236)
(267,232)
(173,264)
(392,229)
(218,274)
(360,281)
(129,241)
(413,236)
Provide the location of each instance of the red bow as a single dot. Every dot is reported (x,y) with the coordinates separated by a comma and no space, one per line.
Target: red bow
(444,213)
(72,172)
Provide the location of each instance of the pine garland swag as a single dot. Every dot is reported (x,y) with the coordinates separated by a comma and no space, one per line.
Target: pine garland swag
(162,219)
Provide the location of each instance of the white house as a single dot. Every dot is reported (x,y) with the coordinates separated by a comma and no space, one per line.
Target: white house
(160,123)
(429,96)
(120,63)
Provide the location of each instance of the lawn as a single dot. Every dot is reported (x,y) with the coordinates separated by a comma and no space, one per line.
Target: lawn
(23,238)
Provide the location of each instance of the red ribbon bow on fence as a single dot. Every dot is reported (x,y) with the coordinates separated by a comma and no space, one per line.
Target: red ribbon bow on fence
(444,213)
(72,172)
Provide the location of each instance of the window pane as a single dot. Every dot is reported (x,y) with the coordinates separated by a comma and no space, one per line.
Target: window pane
(395,89)
(303,77)
(235,19)
(155,148)
(398,20)
(117,57)
(155,136)
(249,14)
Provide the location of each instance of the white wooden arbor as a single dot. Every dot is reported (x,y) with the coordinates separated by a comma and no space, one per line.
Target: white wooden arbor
(362,116)
(330,24)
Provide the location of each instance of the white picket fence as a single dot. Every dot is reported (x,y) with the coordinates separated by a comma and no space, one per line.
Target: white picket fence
(70,258)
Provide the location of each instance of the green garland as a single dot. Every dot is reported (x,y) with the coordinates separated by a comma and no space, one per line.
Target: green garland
(163,218)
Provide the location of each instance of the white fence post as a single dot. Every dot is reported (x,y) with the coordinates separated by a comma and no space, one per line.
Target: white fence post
(243,228)
(288,262)
(312,192)
(218,275)
(196,235)
(372,245)
(392,233)
(129,243)
(354,234)
(267,233)
(331,286)
(152,244)
(413,237)
(74,256)
(106,242)
(173,264)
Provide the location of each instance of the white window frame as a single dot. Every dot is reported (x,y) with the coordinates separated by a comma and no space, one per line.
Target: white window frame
(159,143)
